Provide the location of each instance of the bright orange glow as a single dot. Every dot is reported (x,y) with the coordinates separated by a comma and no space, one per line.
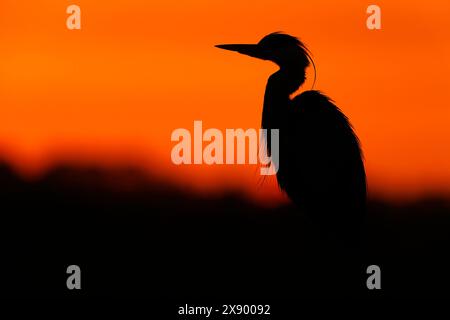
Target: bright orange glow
(113,92)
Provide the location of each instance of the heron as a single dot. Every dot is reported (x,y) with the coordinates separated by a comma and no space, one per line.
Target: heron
(321,165)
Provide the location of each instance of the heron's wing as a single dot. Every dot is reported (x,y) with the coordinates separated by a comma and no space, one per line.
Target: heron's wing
(320,159)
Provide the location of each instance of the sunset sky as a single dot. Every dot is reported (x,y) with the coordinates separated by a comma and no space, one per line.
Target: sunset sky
(111,93)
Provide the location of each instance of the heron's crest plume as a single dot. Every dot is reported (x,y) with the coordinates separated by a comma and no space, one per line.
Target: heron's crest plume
(282,40)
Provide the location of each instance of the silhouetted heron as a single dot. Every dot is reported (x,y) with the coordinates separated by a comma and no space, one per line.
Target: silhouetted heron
(320,160)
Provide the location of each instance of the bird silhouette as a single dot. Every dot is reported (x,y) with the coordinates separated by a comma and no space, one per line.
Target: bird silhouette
(321,166)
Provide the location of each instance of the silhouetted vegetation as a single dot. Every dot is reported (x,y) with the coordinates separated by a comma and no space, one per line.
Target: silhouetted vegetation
(135,236)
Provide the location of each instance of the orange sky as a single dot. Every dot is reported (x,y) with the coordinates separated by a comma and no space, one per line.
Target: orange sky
(113,92)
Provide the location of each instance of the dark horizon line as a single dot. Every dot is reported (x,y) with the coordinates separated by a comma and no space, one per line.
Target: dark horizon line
(140,179)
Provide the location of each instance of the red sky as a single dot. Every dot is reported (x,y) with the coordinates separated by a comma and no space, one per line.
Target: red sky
(112,92)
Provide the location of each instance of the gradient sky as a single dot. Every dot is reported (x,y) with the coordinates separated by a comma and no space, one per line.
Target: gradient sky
(112,93)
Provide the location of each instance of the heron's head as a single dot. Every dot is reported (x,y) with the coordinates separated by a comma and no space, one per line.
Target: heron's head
(283,49)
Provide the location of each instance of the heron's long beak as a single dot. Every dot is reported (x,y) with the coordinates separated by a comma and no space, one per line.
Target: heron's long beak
(252,50)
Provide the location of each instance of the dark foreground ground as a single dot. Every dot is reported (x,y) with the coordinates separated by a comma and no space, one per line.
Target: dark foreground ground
(134,237)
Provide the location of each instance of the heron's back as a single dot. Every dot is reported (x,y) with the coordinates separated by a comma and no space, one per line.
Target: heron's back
(321,166)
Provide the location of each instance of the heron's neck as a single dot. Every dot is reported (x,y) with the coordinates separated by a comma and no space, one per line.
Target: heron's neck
(279,87)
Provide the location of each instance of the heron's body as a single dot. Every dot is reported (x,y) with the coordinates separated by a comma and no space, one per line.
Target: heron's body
(320,160)
(320,163)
